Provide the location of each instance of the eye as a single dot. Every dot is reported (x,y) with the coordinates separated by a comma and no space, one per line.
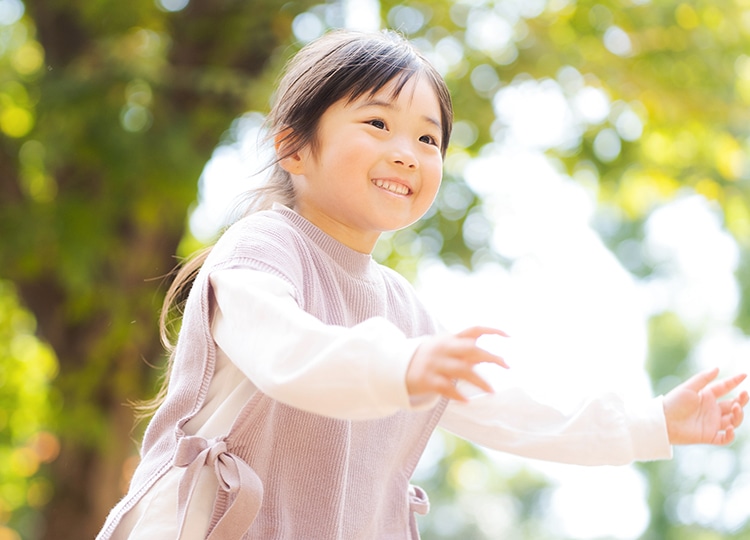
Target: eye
(428,139)
(377,123)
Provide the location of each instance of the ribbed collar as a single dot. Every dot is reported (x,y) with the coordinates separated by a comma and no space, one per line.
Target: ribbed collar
(352,261)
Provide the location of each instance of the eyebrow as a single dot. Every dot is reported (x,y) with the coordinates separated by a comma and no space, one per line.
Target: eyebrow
(391,106)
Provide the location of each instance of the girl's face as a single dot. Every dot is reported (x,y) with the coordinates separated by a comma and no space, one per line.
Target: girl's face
(376,165)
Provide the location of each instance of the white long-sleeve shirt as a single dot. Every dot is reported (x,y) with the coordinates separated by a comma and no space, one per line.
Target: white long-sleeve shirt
(267,343)
(360,373)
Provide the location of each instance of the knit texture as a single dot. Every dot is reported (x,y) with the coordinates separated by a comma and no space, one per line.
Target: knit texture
(319,477)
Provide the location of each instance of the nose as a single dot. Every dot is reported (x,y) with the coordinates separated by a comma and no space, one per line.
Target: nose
(403,154)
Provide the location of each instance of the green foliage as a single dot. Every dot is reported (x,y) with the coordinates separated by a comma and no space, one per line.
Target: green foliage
(669,347)
(109,111)
(473,496)
(680,70)
(743,277)
(26,404)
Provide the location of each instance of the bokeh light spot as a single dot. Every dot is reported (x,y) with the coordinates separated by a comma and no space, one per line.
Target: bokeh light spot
(9,534)
(686,16)
(15,121)
(406,19)
(28,58)
(172,5)
(307,26)
(135,118)
(617,41)
(11,12)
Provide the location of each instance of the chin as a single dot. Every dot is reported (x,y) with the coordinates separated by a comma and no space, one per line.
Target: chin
(397,225)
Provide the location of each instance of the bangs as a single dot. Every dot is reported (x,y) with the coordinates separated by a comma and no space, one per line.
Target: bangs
(344,67)
(373,79)
(359,68)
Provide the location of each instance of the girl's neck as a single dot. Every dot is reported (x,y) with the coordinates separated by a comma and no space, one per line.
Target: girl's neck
(356,263)
(353,239)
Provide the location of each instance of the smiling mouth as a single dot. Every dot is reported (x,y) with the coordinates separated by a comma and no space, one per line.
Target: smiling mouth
(393,187)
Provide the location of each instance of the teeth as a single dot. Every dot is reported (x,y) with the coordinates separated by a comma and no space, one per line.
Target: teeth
(393,187)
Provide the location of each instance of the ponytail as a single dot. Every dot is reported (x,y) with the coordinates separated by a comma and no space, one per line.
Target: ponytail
(277,189)
(169,319)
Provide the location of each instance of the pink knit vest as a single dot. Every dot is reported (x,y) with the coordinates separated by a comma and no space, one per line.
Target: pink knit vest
(285,473)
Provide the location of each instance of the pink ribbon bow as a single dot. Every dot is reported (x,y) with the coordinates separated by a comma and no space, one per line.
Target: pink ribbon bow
(243,488)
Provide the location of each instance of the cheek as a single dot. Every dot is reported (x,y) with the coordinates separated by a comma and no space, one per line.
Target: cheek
(434,174)
(430,186)
(348,155)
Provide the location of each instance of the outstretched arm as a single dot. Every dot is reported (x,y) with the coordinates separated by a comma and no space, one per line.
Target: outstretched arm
(351,373)
(695,414)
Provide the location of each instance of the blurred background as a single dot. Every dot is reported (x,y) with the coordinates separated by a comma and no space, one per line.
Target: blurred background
(596,205)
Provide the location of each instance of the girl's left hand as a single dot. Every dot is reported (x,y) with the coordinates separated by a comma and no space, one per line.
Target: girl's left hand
(695,415)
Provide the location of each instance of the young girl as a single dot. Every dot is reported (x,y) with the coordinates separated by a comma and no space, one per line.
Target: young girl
(307,378)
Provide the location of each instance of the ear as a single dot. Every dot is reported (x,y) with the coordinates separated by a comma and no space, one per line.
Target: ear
(291,163)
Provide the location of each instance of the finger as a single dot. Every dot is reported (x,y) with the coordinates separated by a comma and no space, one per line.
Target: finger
(467,350)
(446,388)
(477,331)
(477,380)
(455,369)
(459,370)
(699,381)
(724,437)
(721,388)
(733,417)
(728,405)
(732,413)
(738,415)
(480,356)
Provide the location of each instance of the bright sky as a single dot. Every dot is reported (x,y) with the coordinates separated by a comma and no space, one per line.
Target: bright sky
(576,317)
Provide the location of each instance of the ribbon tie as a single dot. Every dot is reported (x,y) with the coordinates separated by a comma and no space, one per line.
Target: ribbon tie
(419,502)
(243,488)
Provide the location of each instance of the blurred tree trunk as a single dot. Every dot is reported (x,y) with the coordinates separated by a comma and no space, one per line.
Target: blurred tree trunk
(97,232)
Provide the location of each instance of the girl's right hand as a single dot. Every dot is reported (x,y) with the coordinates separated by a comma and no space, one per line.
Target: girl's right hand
(441,362)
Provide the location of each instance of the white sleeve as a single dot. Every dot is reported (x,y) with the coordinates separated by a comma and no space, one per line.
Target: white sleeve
(352,373)
(601,431)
